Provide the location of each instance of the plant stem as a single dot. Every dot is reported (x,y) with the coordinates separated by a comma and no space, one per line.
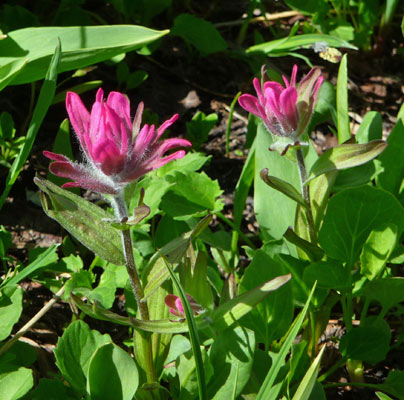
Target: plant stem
(306,195)
(122,215)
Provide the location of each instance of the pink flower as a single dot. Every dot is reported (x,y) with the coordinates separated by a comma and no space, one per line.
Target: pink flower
(176,307)
(117,151)
(285,111)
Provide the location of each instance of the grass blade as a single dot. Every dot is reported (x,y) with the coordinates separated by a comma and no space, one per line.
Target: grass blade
(193,335)
(279,359)
(344,133)
(44,101)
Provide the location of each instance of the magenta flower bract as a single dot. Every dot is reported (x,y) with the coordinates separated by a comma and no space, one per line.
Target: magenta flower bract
(176,307)
(117,151)
(285,111)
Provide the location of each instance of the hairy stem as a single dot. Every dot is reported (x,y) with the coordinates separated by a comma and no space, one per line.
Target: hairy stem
(137,288)
(306,195)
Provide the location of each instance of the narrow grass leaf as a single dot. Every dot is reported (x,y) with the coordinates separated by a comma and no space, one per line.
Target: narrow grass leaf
(344,132)
(44,101)
(279,359)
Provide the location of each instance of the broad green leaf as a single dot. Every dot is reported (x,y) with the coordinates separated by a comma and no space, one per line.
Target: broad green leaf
(369,342)
(51,389)
(274,211)
(394,384)
(199,33)
(230,312)
(391,162)
(371,128)
(14,383)
(328,274)
(74,351)
(356,176)
(84,220)
(346,156)
(43,103)
(281,186)
(198,188)
(199,127)
(377,250)
(306,385)
(189,163)
(112,374)
(351,215)
(231,355)
(178,345)
(45,259)
(344,130)
(278,360)
(272,316)
(10,309)
(297,42)
(10,70)
(82,46)
(386,291)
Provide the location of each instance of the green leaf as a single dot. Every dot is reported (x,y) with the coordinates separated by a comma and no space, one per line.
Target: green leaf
(10,309)
(231,311)
(84,220)
(199,127)
(14,383)
(306,385)
(274,211)
(377,250)
(231,355)
(193,335)
(394,384)
(292,43)
(369,342)
(272,316)
(243,187)
(351,215)
(391,162)
(84,87)
(74,351)
(346,156)
(371,128)
(10,70)
(198,188)
(344,130)
(45,259)
(199,33)
(51,389)
(44,101)
(112,374)
(312,251)
(278,360)
(328,274)
(387,291)
(82,46)
(281,186)
(159,326)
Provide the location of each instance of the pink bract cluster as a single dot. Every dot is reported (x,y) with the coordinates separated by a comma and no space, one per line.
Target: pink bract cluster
(285,111)
(117,150)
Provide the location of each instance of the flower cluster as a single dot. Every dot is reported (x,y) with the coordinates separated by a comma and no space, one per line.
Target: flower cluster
(285,111)
(117,150)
